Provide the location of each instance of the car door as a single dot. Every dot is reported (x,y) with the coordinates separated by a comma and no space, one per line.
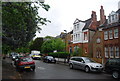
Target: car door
(79,63)
(73,62)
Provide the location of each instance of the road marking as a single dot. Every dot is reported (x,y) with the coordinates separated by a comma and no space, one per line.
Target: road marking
(42,68)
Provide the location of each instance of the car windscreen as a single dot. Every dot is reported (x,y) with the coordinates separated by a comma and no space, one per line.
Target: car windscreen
(50,57)
(26,59)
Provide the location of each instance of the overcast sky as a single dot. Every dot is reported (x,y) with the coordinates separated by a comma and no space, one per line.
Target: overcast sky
(63,13)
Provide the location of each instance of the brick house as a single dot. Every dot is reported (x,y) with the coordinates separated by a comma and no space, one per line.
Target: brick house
(111,34)
(97,41)
(69,42)
(82,34)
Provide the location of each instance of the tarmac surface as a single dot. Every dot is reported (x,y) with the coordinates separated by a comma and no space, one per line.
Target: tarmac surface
(8,71)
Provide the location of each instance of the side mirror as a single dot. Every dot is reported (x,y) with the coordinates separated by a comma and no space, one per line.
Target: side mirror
(82,61)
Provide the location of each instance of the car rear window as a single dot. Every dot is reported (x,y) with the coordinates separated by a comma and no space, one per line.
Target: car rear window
(26,59)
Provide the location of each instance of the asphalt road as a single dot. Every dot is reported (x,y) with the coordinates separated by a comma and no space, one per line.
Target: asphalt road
(59,71)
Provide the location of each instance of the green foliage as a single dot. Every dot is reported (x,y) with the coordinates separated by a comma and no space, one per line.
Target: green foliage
(36,44)
(78,52)
(53,44)
(5,49)
(20,22)
(49,37)
(59,54)
(23,50)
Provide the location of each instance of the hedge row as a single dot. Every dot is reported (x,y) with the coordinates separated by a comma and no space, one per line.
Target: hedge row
(59,54)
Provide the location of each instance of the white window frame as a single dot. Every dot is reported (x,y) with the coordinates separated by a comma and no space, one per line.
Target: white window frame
(110,34)
(85,36)
(106,35)
(106,52)
(116,33)
(111,52)
(117,52)
(78,26)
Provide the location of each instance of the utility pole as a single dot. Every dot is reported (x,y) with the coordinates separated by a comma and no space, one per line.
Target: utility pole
(65,41)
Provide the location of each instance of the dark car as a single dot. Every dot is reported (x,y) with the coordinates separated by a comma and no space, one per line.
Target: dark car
(112,66)
(49,59)
(24,63)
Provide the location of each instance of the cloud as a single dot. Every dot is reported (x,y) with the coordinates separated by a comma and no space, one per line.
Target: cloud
(64,12)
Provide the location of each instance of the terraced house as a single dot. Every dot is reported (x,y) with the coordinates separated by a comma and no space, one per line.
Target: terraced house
(112,35)
(99,40)
(106,40)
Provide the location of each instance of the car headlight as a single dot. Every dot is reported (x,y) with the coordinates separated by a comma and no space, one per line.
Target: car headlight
(13,57)
(93,66)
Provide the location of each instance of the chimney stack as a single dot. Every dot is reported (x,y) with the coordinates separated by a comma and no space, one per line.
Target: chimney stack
(94,20)
(94,16)
(102,16)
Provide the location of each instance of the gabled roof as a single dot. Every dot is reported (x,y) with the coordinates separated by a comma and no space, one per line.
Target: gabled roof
(103,25)
(87,24)
(77,20)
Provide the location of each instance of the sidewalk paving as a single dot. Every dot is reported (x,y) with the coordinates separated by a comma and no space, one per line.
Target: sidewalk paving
(62,61)
(8,71)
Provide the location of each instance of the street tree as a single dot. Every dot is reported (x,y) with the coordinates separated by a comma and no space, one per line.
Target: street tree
(53,44)
(36,44)
(20,21)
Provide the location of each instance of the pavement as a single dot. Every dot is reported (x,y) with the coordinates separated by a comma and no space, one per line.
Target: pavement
(62,61)
(8,71)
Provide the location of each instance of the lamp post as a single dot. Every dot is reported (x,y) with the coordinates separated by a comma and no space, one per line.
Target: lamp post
(65,39)
(65,42)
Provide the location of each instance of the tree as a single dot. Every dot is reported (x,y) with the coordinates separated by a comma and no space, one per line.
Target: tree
(36,44)
(20,21)
(59,45)
(53,44)
(78,52)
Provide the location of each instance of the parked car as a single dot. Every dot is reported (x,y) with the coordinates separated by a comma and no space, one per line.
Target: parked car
(86,64)
(36,56)
(49,59)
(24,63)
(112,66)
(13,56)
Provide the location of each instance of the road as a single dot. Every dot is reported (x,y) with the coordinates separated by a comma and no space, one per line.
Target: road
(59,71)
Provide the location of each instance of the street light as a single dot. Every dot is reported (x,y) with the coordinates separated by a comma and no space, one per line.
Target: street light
(65,41)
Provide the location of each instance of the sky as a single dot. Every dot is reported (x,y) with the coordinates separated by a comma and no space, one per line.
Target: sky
(62,14)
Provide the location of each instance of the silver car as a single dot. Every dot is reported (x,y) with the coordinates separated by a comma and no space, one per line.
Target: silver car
(85,63)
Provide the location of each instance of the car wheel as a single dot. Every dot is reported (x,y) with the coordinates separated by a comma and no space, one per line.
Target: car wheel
(87,69)
(115,74)
(33,69)
(71,66)
(55,62)
(47,61)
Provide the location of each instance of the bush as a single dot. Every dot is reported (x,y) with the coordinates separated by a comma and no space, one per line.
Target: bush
(59,54)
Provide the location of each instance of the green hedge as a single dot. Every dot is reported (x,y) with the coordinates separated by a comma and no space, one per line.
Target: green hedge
(59,54)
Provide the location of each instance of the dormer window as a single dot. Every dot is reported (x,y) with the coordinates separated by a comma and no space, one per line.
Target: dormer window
(113,17)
